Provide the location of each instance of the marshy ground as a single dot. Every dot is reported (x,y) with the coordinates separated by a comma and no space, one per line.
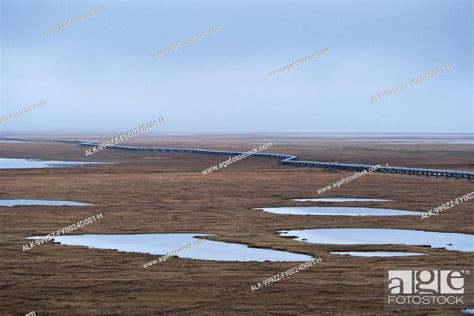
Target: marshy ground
(143,195)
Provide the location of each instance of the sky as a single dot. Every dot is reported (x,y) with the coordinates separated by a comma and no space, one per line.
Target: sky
(98,75)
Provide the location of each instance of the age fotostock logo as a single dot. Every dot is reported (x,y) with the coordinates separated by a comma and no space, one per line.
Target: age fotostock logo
(427,287)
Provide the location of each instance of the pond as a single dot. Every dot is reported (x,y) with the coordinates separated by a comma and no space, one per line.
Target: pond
(19,163)
(341,200)
(338,211)
(161,244)
(378,236)
(19,202)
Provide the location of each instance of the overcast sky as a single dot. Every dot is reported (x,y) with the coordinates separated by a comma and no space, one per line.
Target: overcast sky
(99,74)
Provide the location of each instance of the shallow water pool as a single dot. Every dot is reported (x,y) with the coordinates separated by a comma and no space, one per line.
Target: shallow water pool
(338,211)
(161,244)
(378,236)
(19,163)
(40,202)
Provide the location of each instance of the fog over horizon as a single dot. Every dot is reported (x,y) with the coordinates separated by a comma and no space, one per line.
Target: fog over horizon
(98,75)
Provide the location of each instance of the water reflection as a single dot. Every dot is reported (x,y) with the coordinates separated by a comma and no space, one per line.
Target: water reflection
(338,211)
(376,236)
(161,244)
(19,202)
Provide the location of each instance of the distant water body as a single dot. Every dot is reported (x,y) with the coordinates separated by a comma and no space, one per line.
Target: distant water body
(19,163)
(161,244)
(18,202)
